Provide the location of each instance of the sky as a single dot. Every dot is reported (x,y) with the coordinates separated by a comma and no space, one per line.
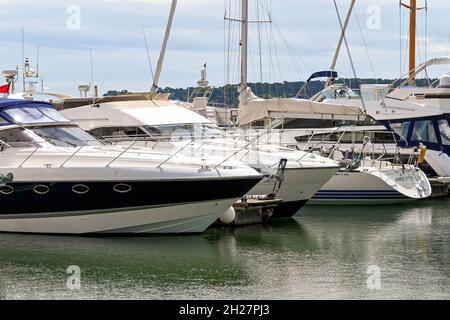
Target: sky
(301,40)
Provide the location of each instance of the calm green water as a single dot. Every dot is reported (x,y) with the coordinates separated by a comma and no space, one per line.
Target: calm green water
(322,253)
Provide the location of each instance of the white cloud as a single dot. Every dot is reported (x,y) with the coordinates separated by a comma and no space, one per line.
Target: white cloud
(113,29)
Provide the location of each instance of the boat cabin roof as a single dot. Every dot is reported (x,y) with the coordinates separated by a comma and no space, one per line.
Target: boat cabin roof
(132,113)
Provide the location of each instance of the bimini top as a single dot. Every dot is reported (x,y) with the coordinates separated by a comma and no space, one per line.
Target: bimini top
(26,112)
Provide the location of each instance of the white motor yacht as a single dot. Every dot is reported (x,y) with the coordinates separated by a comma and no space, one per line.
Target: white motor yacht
(57,179)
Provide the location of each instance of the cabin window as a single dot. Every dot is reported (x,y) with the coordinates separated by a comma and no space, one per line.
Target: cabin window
(384,137)
(401,129)
(18,137)
(122,188)
(444,129)
(3,121)
(80,189)
(5,189)
(118,132)
(64,136)
(41,189)
(424,131)
(183,131)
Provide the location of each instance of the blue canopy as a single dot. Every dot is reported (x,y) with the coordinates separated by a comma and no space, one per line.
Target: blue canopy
(14,111)
(18,103)
(323,74)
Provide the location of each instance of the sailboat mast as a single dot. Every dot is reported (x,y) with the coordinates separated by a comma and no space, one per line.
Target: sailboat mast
(164,47)
(341,39)
(412,42)
(244,45)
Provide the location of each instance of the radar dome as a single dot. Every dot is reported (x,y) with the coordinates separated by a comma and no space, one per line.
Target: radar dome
(444,81)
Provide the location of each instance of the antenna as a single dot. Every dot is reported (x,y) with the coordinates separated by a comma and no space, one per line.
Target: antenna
(37,62)
(37,69)
(148,53)
(92,72)
(23,60)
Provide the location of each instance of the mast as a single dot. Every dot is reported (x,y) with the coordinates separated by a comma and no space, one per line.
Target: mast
(412,7)
(341,39)
(164,47)
(412,42)
(244,46)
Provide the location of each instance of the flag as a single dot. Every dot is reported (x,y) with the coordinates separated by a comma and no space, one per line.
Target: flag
(4,89)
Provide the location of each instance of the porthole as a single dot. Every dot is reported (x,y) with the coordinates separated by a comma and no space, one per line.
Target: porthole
(122,188)
(41,189)
(80,189)
(5,189)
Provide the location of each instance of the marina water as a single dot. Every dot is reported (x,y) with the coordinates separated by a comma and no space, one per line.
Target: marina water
(378,252)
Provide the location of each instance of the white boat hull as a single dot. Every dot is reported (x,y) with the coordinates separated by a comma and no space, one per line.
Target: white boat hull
(179,218)
(297,188)
(374,187)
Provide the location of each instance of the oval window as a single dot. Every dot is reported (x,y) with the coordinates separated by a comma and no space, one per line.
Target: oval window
(41,189)
(80,189)
(122,188)
(5,189)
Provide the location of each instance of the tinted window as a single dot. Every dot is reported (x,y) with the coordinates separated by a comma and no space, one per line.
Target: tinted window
(118,132)
(401,129)
(444,129)
(424,131)
(64,136)
(18,137)
(3,121)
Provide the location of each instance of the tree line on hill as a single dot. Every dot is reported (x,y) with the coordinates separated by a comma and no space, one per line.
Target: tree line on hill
(228,96)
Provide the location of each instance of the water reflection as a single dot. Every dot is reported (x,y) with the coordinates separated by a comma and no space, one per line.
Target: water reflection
(322,253)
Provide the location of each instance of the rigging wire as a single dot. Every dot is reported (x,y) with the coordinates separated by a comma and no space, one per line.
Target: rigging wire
(277,59)
(366,48)
(259,41)
(349,53)
(148,53)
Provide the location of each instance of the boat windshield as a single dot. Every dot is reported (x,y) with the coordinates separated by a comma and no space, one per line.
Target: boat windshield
(192,131)
(339,93)
(19,137)
(66,136)
(34,114)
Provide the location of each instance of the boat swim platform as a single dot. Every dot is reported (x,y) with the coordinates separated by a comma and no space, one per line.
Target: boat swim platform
(440,187)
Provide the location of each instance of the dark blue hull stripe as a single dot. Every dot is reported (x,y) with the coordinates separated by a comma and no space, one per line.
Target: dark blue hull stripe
(358,194)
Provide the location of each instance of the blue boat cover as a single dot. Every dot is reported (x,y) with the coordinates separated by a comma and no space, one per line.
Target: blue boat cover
(323,74)
(14,111)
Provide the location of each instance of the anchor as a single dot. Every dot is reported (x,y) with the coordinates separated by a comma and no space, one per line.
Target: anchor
(4,180)
(279,177)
